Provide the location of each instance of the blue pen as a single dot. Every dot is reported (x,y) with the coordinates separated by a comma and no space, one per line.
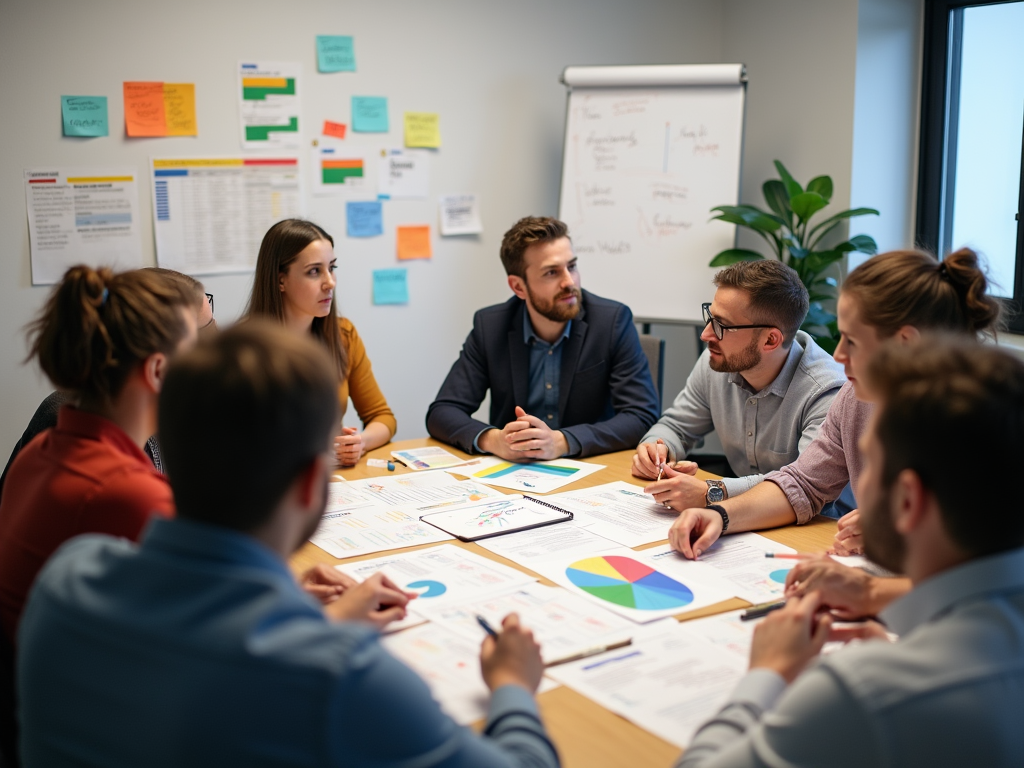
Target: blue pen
(487,627)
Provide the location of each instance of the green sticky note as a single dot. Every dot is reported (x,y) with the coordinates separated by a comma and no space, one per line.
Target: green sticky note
(334,53)
(370,114)
(84,115)
(390,286)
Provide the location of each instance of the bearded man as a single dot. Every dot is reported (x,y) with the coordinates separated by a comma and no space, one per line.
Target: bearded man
(763,385)
(564,367)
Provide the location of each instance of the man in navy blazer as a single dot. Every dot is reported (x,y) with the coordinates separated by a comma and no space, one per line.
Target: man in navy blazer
(565,368)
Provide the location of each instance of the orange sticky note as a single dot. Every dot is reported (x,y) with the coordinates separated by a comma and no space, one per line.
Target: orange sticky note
(414,243)
(180,109)
(144,109)
(334,129)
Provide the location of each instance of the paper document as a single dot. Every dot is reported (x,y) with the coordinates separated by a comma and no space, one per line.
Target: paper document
(669,684)
(426,492)
(82,216)
(619,511)
(340,170)
(450,665)
(535,477)
(444,574)
(404,174)
(460,215)
(269,104)
(740,557)
(371,528)
(211,213)
(638,585)
(431,457)
(565,625)
(565,540)
(496,517)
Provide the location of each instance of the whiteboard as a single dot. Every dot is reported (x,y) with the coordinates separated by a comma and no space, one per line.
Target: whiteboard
(648,152)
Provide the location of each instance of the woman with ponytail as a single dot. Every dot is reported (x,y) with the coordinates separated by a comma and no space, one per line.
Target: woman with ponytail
(892,296)
(104,339)
(294,285)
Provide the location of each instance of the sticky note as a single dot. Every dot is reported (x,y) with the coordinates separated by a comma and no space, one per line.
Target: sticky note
(334,53)
(84,115)
(390,286)
(144,109)
(334,129)
(364,219)
(160,109)
(414,243)
(370,114)
(180,109)
(422,130)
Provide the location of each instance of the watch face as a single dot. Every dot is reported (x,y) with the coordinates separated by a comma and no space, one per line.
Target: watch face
(715,494)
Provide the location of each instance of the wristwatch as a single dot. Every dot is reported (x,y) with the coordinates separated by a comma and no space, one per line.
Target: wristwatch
(725,515)
(716,492)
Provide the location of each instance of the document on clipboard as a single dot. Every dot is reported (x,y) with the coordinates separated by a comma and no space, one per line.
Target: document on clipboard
(495,517)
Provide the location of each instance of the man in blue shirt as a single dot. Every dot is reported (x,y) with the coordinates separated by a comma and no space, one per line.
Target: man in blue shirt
(564,367)
(197,647)
(950,691)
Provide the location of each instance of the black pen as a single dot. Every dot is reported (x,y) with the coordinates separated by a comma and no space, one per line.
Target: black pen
(487,627)
(762,609)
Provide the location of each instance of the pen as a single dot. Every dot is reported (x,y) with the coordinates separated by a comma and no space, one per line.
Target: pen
(762,609)
(487,627)
(589,652)
(785,555)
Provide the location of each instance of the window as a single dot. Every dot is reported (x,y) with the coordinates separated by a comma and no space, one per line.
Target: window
(972,134)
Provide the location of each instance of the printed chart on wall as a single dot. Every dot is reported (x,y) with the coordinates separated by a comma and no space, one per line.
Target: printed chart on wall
(210,214)
(82,215)
(648,152)
(340,170)
(269,104)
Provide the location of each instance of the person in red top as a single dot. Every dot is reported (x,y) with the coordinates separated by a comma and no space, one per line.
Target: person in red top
(106,339)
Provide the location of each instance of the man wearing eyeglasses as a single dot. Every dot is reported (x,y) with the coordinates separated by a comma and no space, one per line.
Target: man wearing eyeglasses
(763,385)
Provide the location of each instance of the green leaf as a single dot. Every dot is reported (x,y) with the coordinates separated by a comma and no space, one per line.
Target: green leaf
(797,252)
(806,204)
(777,197)
(822,185)
(821,296)
(832,220)
(816,261)
(827,343)
(864,244)
(749,216)
(734,255)
(792,187)
(818,315)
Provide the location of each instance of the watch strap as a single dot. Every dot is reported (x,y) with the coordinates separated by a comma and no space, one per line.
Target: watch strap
(725,515)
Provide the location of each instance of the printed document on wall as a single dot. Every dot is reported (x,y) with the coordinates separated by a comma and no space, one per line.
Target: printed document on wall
(210,213)
(269,103)
(82,216)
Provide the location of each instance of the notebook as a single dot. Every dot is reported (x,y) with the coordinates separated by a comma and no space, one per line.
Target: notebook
(496,517)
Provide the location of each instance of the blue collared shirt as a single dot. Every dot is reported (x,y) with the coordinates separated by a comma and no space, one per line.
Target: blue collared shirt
(950,692)
(198,648)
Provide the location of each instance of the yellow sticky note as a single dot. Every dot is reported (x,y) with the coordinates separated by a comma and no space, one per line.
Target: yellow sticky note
(414,243)
(422,129)
(180,109)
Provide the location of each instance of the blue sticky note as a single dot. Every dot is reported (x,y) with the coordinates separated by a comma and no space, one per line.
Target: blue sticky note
(364,219)
(390,286)
(370,114)
(84,115)
(334,53)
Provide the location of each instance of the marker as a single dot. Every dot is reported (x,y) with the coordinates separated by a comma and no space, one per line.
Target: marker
(784,556)
(762,609)
(487,627)
(381,463)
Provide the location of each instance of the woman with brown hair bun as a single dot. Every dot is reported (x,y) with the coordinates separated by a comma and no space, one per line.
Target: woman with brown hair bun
(294,285)
(105,339)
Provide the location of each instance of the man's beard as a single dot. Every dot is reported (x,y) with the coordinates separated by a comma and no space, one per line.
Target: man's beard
(743,360)
(882,542)
(555,311)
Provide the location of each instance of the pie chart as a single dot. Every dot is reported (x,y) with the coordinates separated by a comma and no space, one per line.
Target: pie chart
(779,576)
(430,588)
(626,582)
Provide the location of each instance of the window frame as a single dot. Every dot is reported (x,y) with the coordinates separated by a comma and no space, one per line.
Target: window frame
(938,148)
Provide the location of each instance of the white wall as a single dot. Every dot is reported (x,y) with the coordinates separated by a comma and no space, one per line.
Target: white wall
(490,69)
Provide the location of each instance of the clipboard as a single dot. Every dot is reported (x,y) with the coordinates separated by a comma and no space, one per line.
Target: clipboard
(496,517)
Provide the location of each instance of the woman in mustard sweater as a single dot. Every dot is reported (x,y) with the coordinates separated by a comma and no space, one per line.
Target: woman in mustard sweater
(294,283)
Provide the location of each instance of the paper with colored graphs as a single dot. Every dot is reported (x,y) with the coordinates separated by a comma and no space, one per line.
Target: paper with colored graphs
(269,104)
(565,625)
(741,558)
(444,574)
(82,215)
(431,457)
(372,528)
(619,511)
(535,477)
(160,109)
(340,170)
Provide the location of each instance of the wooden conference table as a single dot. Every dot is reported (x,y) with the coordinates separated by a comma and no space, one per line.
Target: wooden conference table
(585,733)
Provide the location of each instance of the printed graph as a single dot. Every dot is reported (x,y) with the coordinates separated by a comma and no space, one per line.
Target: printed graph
(626,582)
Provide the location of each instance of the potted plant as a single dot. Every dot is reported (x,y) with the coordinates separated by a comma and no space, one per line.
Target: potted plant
(787,230)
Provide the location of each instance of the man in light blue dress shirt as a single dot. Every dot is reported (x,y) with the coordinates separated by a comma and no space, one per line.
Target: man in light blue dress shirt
(198,648)
(762,385)
(950,691)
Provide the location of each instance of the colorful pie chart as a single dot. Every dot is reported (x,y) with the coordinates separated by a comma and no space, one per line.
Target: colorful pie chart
(779,576)
(430,588)
(626,582)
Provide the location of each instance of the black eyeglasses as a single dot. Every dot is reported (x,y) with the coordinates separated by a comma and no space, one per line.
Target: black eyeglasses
(209,299)
(719,327)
